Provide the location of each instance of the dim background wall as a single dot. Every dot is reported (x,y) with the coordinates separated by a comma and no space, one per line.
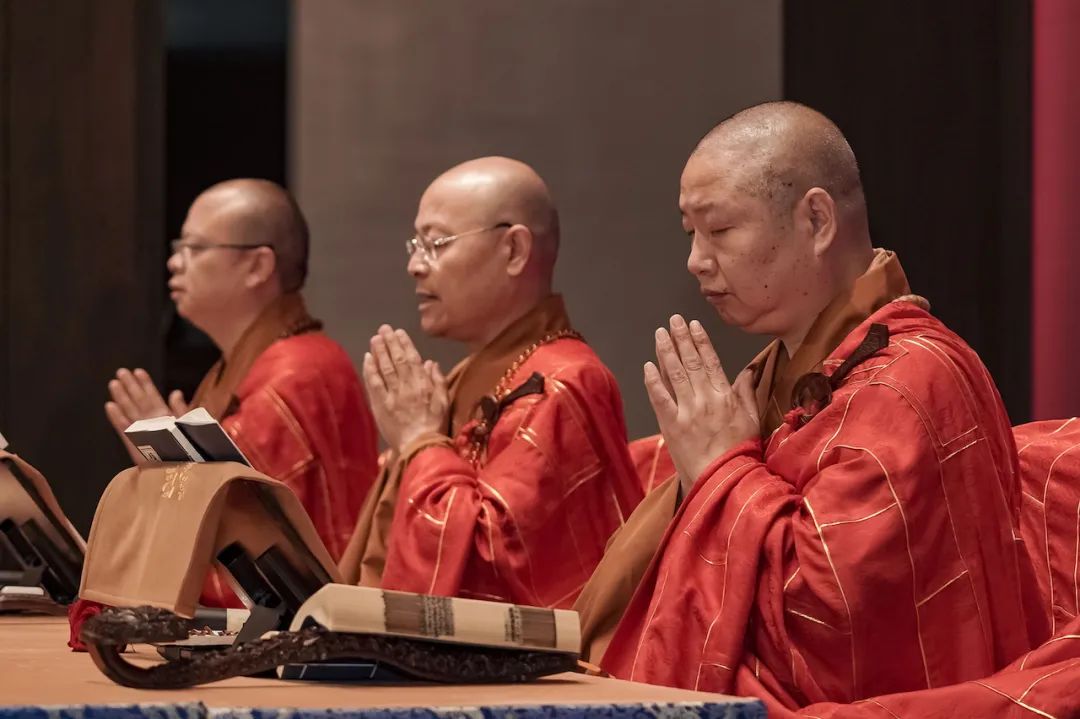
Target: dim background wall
(606,98)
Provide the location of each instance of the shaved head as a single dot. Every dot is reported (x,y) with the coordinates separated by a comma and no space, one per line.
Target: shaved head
(783,149)
(264,212)
(500,189)
(501,233)
(773,204)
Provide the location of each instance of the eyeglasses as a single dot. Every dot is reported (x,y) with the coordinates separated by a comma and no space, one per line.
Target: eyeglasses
(429,246)
(181,246)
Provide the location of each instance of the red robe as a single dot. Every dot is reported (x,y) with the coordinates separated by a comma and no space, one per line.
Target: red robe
(1050,519)
(874,550)
(651,461)
(301,417)
(1045,681)
(527,520)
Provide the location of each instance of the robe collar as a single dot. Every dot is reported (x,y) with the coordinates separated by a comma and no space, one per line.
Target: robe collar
(285,316)
(776,374)
(478,374)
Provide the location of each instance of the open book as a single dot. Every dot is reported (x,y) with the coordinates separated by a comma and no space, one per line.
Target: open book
(194,437)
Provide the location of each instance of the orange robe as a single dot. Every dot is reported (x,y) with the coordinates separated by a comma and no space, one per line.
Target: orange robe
(519,513)
(873,550)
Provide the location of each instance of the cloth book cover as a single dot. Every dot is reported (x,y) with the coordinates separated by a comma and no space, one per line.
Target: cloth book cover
(159,527)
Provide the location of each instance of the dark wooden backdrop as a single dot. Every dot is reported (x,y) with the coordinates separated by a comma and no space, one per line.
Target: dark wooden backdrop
(80,227)
(935,99)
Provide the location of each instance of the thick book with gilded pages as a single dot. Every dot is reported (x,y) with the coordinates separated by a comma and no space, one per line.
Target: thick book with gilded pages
(484,626)
(367,610)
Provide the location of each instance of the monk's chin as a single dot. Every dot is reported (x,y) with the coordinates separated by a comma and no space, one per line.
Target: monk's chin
(184,310)
(732,320)
(751,326)
(432,327)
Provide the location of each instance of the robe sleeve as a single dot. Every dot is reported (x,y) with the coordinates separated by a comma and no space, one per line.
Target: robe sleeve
(856,569)
(541,507)
(294,434)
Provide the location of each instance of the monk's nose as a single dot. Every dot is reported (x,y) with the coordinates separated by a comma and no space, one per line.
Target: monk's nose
(699,263)
(418,266)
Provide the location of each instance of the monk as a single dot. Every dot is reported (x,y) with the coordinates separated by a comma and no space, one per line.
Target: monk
(509,475)
(286,393)
(842,537)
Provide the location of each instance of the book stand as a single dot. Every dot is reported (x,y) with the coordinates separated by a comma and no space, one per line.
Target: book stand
(155,534)
(29,530)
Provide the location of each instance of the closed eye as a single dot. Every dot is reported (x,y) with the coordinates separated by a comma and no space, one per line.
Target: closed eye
(720,231)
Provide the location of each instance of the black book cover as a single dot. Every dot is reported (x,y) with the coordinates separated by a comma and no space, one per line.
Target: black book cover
(209,437)
(159,445)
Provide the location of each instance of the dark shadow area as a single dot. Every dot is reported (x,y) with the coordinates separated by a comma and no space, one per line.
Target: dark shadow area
(226,81)
(935,100)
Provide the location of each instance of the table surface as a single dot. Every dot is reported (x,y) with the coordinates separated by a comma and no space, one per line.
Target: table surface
(38,669)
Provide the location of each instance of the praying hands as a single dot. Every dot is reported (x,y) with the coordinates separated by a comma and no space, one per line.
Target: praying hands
(700,413)
(408,394)
(135,397)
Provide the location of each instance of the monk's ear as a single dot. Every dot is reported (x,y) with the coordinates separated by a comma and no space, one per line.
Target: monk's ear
(519,243)
(819,213)
(263,265)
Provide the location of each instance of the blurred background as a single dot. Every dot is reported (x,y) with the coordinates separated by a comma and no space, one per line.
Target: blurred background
(115,114)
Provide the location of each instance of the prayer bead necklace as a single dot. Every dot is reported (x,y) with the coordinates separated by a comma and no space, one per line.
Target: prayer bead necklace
(503,388)
(479,435)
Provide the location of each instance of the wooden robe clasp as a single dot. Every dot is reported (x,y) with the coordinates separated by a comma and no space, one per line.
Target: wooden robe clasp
(813,391)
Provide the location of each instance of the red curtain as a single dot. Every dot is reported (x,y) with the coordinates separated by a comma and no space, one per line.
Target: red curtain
(1056,209)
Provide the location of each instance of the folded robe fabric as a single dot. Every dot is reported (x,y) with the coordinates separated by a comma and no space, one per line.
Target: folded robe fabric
(158,528)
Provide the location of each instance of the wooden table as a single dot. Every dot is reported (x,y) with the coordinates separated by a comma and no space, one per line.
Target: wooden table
(38,670)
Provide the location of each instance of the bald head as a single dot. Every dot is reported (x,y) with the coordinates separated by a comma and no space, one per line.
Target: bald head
(783,149)
(500,189)
(262,212)
(773,204)
(500,261)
